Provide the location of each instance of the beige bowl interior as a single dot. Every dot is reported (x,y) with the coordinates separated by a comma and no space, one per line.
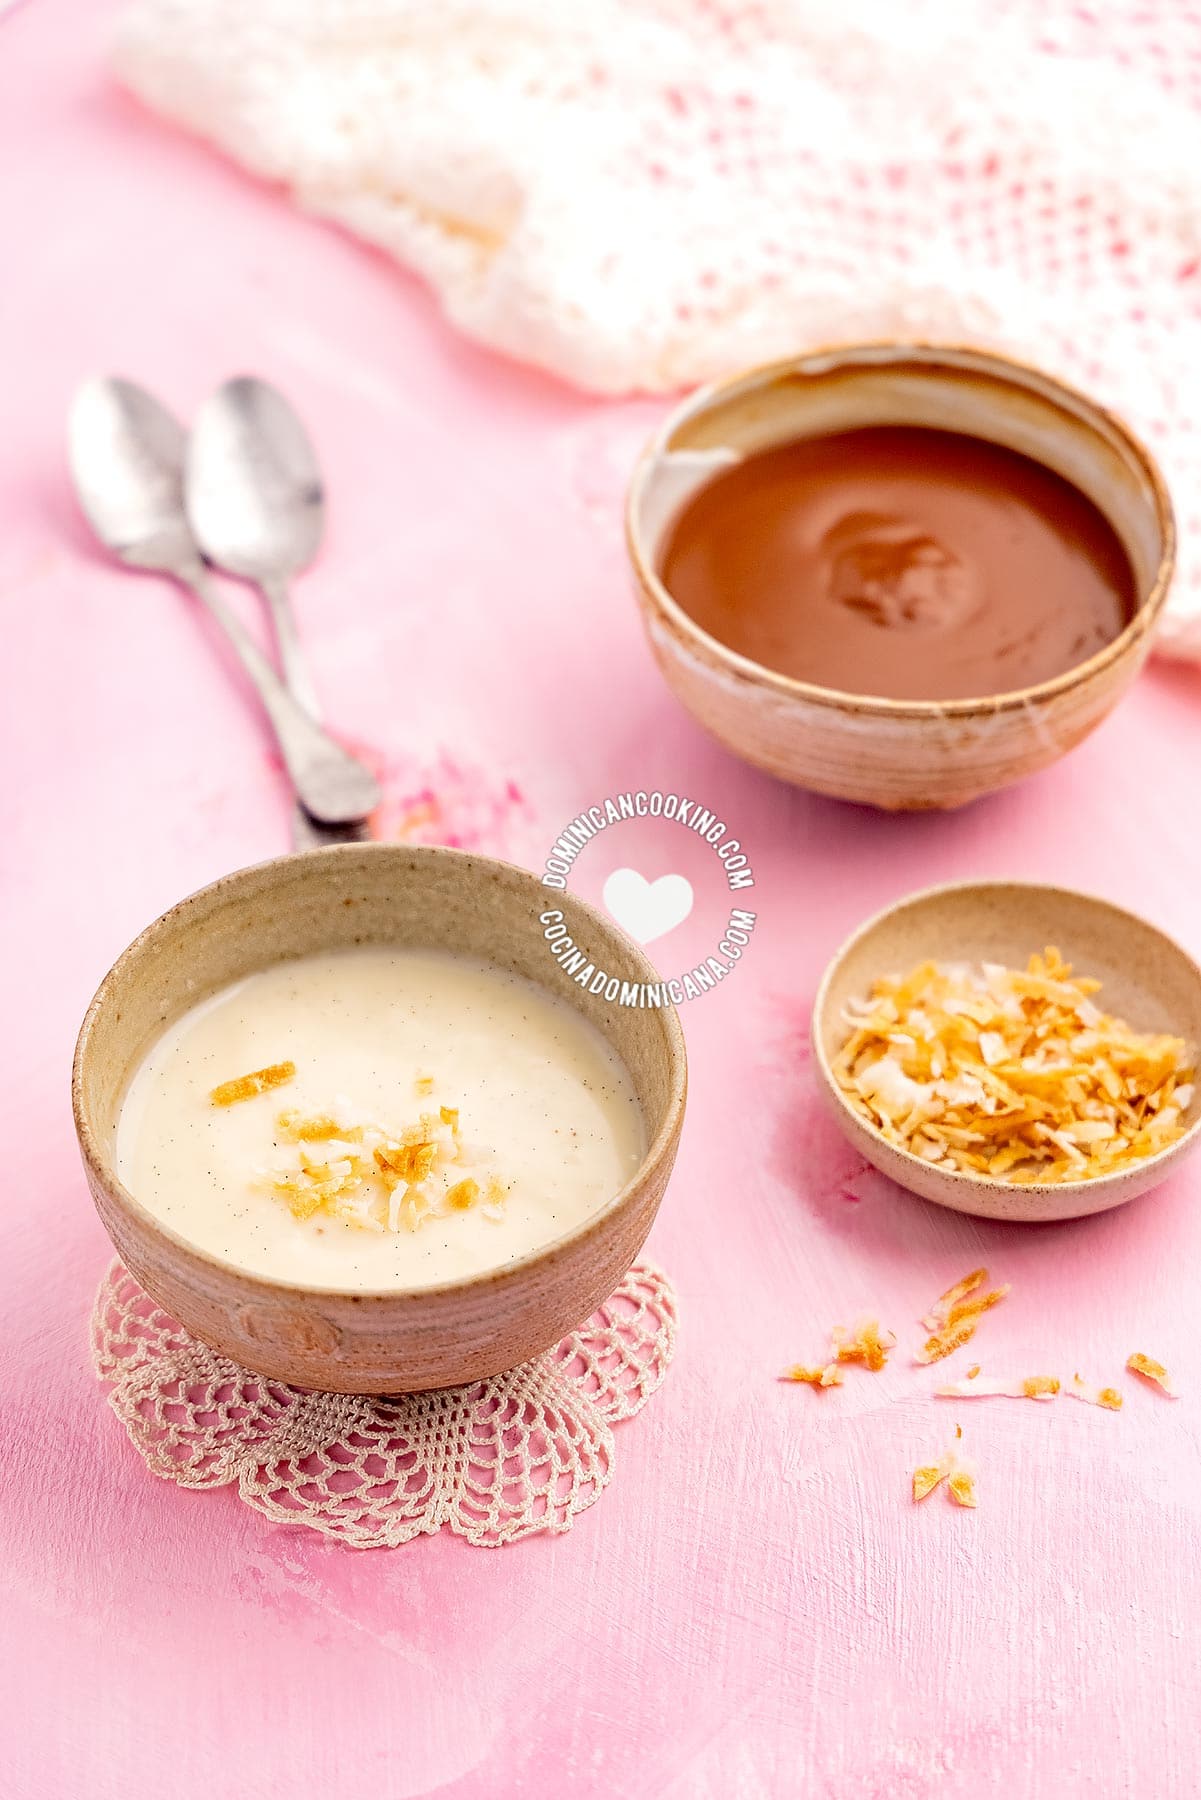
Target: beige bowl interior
(1147,979)
(373,894)
(896,754)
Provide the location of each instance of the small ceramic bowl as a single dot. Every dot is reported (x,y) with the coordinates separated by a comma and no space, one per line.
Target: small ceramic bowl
(1146,979)
(398,1341)
(898,754)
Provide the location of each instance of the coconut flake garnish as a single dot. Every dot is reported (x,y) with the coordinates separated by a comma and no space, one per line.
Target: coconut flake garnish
(378,1179)
(1152,1371)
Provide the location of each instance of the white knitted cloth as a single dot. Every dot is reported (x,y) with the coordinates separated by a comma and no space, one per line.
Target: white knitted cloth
(639,194)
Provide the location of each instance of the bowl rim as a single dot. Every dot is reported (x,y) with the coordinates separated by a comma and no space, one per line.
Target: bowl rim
(962,1178)
(102,1169)
(926,353)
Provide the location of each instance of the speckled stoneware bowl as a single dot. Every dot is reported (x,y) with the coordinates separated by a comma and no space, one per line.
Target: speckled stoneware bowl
(899,754)
(400,1341)
(1146,979)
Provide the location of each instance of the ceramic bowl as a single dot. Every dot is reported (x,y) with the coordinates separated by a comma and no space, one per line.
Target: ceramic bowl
(898,754)
(1146,979)
(398,1341)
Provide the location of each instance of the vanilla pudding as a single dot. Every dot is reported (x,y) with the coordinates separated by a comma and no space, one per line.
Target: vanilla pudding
(375,1119)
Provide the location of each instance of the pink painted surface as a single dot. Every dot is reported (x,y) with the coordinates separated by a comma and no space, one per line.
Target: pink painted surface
(754,1608)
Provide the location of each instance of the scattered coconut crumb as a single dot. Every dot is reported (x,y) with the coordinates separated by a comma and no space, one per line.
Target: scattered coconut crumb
(816,1376)
(941,1310)
(1152,1371)
(961,1485)
(927,1478)
(1032,1387)
(1013,1075)
(1029,1387)
(245,1087)
(958,1473)
(973,1372)
(863,1343)
(1107,1397)
(953,1318)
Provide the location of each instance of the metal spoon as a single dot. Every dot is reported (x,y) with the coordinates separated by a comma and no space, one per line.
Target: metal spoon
(255,502)
(127,460)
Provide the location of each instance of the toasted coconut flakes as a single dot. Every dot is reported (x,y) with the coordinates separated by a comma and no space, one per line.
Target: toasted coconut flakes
(1153,1371)
(961,1485)
(449,1115)
(940,1312)
(864,1343)
(1033,1387)
(415,1207)
(405,1162)
(381,1180)
(303,1202)
(1014,1075)
(945,1342)
(316,1128)
(1029,1387)
(1107,1397)
(978,1303)
(926,1479)
(953,1318)
(973,1372)
(814,1374)
(424,1084)
(958,1473)
(245,1087)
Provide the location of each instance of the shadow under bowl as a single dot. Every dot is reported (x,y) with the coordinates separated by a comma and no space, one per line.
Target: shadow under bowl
(405,1340)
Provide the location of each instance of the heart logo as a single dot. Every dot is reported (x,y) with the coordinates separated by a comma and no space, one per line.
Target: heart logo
(647,909)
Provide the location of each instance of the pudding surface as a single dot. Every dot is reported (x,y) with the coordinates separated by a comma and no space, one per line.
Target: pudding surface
(543,1110)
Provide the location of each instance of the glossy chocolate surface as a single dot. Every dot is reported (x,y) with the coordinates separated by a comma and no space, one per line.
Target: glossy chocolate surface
(900,561)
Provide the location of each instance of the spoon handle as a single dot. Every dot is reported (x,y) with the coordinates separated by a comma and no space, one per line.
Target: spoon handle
(297,679)
(307,834)
(333,786)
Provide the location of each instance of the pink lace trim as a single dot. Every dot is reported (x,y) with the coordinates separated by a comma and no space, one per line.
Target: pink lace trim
(493,1462)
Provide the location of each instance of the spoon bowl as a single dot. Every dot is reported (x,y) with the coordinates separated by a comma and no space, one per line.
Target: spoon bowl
(127,457)
(254,493)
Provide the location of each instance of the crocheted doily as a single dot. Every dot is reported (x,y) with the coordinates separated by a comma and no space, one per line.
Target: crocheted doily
(492,1462)
(639,194)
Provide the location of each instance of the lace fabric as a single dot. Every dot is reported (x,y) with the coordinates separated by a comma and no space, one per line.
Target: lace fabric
(638,194)
(520,1453)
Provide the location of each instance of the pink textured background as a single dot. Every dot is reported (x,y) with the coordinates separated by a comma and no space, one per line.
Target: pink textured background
(754,1609)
